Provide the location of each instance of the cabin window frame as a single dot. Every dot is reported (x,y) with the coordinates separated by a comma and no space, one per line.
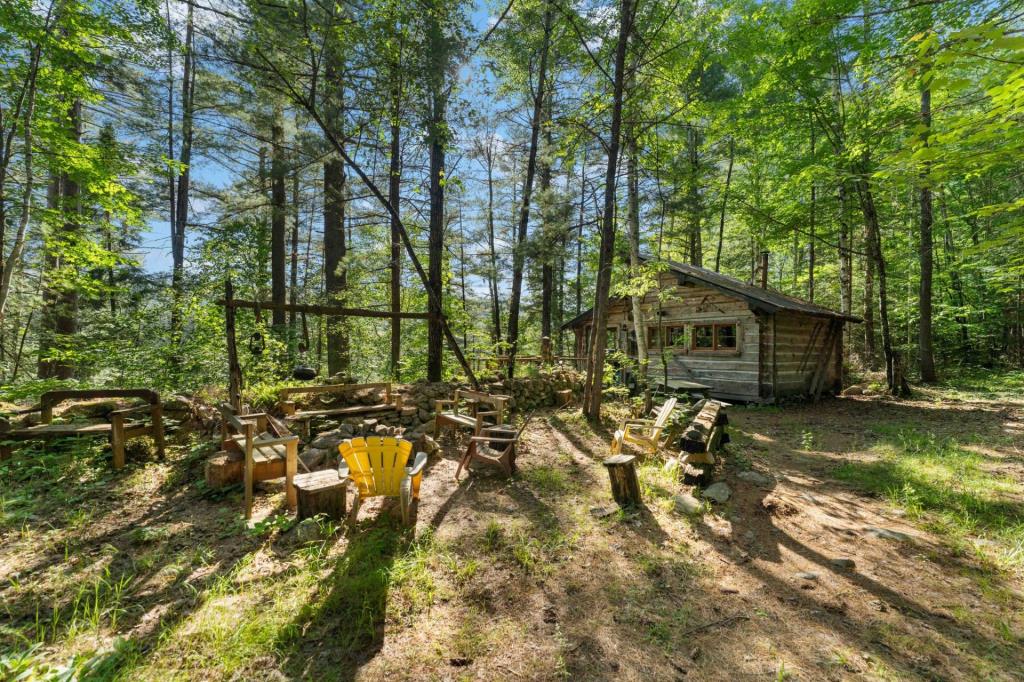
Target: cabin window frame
(715,348)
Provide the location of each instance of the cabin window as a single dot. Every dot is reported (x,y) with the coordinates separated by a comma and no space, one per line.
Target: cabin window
(703,337)
(711,337)
(675,336)
(652,337)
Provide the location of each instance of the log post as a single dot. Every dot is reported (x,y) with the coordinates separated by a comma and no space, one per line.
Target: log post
(156,416)
(117,439)
(234,369)
(625,486)
(290,469)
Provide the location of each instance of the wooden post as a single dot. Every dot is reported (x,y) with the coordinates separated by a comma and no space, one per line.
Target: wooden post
(250,429)
(290,467)
(117,439)
(156,415)
(625,486)
(234,369)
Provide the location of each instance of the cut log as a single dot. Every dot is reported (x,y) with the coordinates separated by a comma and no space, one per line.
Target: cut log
(563,397)
(705,434)
(625,486)
(321,492)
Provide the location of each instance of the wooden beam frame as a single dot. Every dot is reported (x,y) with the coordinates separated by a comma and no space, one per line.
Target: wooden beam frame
(322,309)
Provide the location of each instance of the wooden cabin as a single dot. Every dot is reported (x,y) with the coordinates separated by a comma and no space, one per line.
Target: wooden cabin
(747,343)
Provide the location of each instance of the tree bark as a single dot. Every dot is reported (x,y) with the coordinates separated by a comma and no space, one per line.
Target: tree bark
(492,253)
(926,353)
(278,289)
(63,301)
(633,225)
(725,203)
(180,213)
(334,263)
(519,256)
(593,388)
(394,197)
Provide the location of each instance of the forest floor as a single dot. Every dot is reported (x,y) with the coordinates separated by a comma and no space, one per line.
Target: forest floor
(143,574)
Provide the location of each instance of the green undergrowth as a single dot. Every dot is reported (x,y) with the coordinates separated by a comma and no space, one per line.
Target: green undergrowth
(950,489)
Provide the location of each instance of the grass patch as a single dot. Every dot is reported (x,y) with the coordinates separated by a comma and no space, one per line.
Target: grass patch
(948,489)
(548,479)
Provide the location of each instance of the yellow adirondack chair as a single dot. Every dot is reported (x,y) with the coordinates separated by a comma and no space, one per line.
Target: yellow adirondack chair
(377,467)
(644,433)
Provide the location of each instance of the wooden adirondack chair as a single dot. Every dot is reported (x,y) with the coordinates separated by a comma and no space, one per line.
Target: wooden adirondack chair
(494,445)
(645,434)
(377,467)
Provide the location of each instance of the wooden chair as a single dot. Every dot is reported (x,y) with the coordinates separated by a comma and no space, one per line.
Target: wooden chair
(123,424)
(494,445)
(473,418)
(377,467)
(262,452)
(645,434)
(391,401)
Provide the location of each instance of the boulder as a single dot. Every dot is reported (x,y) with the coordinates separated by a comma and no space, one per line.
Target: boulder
(307,530)
(328,440)
(686,503)
(754,477)
(717,492)
(314,457)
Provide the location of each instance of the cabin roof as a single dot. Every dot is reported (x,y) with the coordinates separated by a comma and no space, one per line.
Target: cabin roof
(764,300)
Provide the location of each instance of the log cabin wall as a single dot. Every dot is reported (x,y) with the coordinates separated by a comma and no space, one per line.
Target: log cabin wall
(775,355)
(733,373)
(802,343)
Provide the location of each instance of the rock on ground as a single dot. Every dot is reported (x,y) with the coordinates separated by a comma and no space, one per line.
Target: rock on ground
(717,492)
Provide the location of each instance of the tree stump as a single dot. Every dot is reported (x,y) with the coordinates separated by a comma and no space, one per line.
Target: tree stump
(321,492)
(563,397)
(625,486)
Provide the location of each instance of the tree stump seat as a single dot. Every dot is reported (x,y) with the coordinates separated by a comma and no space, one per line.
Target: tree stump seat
(321,492)
(625,485)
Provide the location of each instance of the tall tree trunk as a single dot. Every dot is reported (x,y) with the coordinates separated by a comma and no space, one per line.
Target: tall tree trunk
(334,265)
(695,209)
(579,235)
(549,241)
(394,198)
(870,353)
(725,203)
(278,289)
(519,255)
(180,213)
(926,352)
(593,388)
(492,253)
(63,310)
(293,280)
(845,259)
(893,371)
(813,223)
(633,225)
(12,262)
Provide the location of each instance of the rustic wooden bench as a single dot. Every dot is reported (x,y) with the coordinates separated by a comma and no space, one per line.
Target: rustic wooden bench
(286,406)
(473,417)
(262,453)
(123,424)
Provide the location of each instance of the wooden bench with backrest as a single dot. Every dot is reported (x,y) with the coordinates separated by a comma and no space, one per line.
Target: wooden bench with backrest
(266,451)
(121,425)
(287,407)
(646,434)
(464,411)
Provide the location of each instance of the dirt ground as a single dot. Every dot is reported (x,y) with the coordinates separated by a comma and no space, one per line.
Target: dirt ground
(805,576)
